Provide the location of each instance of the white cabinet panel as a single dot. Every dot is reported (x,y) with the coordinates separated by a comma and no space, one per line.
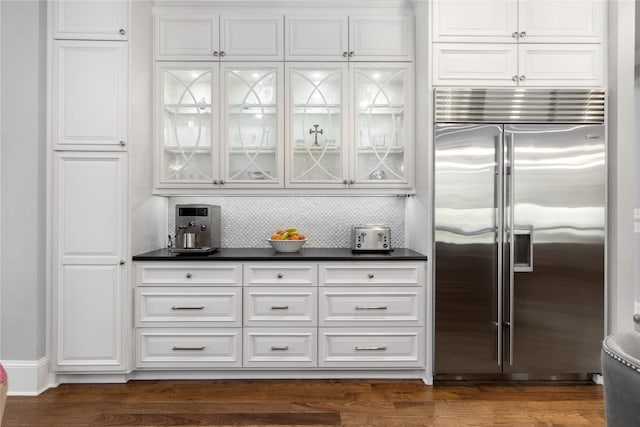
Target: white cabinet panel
(381,38)
(458,64)
(90,20)
(316,38)
(255,38)
(357,306)
(190,273)
(90,95)
(181,306)
(566,21)
(284,306)
(561,65)
(371,274)
(189,348)
(371,347)
(186,37)
(295,273)
(473,20)
(283,348)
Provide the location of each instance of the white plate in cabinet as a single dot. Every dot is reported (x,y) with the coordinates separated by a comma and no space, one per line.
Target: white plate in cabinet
(358,306)
(190,273)
(360,273)
(192,306)
(271,306)
(188,348)
(371,347)
(272,274)
(286,348)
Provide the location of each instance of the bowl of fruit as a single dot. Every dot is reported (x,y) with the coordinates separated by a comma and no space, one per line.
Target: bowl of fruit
(287,240)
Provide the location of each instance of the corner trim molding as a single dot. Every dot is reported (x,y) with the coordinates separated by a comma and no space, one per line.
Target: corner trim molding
(28,377)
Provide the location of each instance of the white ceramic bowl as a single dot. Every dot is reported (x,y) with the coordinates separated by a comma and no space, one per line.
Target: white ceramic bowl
(287,245)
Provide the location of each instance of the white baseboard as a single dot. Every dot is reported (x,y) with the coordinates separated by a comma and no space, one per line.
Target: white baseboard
(27,377)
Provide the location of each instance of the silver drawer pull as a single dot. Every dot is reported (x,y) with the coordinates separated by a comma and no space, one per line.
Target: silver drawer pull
(371,276)
(379,307)
(280,275)
(189,275)
(279,307)
(187,308)
(283,348)
(188,348)
(381,348)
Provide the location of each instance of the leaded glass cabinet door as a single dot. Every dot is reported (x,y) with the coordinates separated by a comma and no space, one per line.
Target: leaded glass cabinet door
(317,126)
(188,104)
(382,125)
(252,134)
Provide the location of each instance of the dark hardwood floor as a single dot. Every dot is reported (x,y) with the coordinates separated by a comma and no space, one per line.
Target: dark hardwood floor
(383,403)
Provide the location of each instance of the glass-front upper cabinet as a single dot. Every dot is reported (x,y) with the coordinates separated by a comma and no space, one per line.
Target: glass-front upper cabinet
(317,126)
(382,124)
(252,132)
(187,105)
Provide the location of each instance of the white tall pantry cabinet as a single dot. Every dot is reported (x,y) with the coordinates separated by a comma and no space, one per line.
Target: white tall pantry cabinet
(90,293)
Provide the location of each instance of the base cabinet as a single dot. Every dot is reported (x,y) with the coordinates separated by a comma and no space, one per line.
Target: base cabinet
(293,315)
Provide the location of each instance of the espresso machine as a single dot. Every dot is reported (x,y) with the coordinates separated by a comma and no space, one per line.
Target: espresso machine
(198,229)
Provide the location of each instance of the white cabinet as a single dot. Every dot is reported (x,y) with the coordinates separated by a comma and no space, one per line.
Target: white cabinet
(90,298)
(324,150)
(522,21)
(227,139)
(90,102)
(207,36)
(90,20)
(354,38)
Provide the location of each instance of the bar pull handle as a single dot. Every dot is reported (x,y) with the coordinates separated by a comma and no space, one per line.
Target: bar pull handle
(523,249)
(364,307)
(279,307)
(176,348)
(176,308)
(276,348)
(373,348)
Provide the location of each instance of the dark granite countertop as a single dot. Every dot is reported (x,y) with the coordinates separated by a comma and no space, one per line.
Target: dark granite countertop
(268,254)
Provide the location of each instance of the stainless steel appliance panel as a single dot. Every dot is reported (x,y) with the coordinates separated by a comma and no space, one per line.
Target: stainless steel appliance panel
(467,198)
(553,306)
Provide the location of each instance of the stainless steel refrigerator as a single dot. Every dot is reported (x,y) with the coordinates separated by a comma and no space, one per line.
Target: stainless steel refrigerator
(519,215)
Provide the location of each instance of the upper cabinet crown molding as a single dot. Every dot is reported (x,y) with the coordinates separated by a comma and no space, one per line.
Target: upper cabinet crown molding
(269,3)
(95,20)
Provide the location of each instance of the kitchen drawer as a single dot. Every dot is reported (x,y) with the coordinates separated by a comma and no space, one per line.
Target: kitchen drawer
(280,306)
(372,274)
(280,274)
(188,348)
(371,347)
(191,273)
(360,306)
(192,306)
(281,347)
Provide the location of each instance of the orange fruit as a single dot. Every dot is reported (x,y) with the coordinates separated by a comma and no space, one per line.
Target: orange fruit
(302,236)
(280,231)
(275,237)
(294,237)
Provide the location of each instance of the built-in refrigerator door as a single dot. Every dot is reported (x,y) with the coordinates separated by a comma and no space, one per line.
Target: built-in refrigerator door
(466,216)
(554,302)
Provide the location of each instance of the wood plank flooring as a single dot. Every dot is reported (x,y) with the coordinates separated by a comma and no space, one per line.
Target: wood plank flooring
(376,403)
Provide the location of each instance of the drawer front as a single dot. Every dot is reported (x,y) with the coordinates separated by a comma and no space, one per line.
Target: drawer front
(273,306)
(191,273)
(371,347)
(282,347)
(359,306)
(372,274)
(284,274)
(175,348)
(195,306)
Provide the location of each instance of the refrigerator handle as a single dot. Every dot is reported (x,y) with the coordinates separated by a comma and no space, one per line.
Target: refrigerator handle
(499,222)
(509,230)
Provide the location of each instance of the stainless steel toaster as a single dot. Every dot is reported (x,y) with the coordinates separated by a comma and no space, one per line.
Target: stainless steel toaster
(371,237)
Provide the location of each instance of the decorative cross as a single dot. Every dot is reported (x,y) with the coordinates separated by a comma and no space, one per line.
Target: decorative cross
(316,132)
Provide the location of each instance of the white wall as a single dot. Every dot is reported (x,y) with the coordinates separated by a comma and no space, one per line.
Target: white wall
(22,180)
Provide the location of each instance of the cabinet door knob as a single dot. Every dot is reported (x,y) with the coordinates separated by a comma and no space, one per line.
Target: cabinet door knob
(122,262)
(215,53)
(123,143)
(636,318)
(371,276)
(523,34)
(514,78)
(351,54)
(189,275)
(515,34)
(280,275)
(122,32)
(345,182)
(215,182)
(523,77)
(222,53)
(352,181)
(222,182)
(345,54)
